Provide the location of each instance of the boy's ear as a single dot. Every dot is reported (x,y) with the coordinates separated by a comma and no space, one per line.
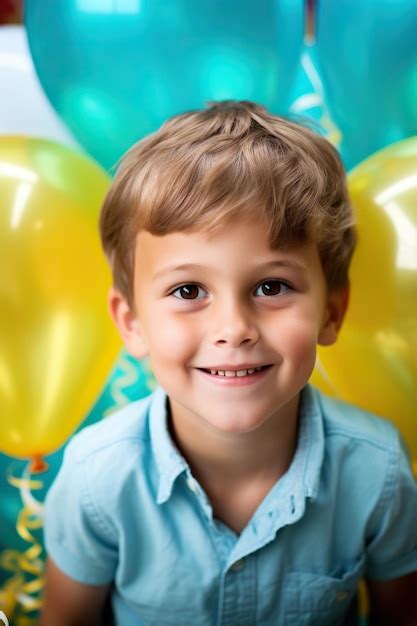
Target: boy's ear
(337,303)
(127,323)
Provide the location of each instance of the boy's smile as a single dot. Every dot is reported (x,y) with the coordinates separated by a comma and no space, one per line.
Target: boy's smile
(230,325)
(237,375)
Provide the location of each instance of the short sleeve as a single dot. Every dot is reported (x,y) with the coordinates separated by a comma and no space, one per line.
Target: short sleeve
(77,538)
(392,546)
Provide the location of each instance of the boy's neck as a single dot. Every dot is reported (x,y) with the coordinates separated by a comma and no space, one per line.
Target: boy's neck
(233,459)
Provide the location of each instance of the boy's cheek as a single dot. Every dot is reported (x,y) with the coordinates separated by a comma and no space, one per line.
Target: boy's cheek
(172,341)
(297,344)
(183,338)
(297,330)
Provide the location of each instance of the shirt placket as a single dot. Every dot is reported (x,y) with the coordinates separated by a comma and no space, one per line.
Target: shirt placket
(237,600)
(238,584)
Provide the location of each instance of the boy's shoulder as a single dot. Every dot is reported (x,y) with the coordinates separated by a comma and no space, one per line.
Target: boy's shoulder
(344,420)
(124,428)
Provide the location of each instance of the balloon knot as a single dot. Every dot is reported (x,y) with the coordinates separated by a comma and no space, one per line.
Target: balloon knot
(38,464)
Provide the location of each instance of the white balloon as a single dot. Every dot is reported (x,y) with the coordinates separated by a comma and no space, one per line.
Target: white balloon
(24,107)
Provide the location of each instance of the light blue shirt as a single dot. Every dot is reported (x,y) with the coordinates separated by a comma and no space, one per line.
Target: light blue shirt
(126,508)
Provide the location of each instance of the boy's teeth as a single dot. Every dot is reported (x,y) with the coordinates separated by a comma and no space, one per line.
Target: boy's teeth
(233,373)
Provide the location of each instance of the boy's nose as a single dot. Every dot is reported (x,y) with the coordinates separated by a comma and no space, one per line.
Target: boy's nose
(234,326)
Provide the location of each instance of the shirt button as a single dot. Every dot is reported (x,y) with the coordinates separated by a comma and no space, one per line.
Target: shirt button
(237,566)
(342,595)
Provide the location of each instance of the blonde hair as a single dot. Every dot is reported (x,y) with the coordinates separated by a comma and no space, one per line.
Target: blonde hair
(205,168)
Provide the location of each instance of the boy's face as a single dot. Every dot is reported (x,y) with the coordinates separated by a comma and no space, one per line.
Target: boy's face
(228,302)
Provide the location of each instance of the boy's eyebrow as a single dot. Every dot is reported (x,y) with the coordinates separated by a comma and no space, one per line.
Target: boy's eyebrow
(286,263)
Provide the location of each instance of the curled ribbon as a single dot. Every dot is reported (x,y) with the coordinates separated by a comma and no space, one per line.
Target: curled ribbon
(150,379)
(22,592)
(129,376)
(316,98)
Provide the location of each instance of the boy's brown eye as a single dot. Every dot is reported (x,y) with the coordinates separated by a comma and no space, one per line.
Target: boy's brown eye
(272,288)
(188,292)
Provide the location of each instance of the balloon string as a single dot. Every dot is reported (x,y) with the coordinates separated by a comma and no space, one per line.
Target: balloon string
(128,377)
(310,21)
(363,599)
(23,591)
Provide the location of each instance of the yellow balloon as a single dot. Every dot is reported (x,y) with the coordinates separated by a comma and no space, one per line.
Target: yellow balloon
(374,362)
(57,340)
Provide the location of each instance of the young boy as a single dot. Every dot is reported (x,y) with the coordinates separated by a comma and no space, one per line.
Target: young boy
(236,494)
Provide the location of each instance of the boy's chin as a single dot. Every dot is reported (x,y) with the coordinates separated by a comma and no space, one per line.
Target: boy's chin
(240,423)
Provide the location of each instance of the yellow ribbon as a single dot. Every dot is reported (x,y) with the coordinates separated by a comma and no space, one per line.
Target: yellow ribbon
(129,376)
(22,593)
(150,378)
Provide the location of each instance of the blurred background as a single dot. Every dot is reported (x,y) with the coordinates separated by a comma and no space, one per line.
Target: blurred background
(80,82)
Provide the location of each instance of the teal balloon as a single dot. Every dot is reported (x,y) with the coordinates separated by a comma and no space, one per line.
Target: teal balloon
(116,69)
(367,55)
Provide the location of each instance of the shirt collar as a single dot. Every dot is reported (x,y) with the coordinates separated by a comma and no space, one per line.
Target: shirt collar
(311,441)
(168,459)
(300,481)
(286,502)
